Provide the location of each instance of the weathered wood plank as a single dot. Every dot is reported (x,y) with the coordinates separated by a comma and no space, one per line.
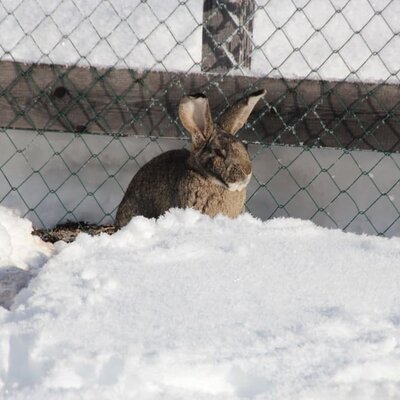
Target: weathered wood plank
(126,102)
(227,35)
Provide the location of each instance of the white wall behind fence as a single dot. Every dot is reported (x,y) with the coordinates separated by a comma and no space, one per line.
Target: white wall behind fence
(59,177)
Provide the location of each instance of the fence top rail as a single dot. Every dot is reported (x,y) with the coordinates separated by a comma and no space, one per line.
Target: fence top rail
(128,102)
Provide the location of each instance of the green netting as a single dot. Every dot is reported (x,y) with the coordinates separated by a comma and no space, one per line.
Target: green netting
(53,176)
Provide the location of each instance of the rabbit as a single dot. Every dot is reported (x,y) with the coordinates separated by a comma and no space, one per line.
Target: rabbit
(211,178)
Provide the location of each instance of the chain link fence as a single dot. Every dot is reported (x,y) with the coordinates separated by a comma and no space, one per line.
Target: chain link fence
(89,93)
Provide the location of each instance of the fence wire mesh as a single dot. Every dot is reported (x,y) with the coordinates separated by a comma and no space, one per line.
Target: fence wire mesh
(88,94)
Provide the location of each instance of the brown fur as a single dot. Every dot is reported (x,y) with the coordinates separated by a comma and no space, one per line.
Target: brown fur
(199,179)
(168,181)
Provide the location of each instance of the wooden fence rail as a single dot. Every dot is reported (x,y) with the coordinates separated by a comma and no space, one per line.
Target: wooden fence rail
(126,102)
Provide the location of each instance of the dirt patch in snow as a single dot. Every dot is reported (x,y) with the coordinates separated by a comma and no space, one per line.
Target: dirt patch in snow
(70,230)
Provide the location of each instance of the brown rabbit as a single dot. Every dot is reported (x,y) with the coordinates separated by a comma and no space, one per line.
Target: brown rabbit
(211,178)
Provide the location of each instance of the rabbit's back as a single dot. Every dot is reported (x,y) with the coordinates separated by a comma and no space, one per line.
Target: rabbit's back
(167,181)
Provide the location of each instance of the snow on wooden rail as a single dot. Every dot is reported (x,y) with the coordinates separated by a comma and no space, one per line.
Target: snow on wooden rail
(128,102)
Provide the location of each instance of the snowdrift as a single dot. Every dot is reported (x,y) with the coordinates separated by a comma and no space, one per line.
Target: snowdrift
(193,307)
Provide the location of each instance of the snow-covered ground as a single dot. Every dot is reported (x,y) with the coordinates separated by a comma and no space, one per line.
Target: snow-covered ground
(190,307)
(21,254)
(328,39)
(18,248)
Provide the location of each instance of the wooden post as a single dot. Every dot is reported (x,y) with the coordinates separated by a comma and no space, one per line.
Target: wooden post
(227,34)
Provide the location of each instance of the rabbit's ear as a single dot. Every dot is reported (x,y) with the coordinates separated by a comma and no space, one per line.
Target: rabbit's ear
(236,116)
(195,115)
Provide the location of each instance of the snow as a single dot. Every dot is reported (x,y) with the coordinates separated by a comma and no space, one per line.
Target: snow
(18,247)
(318,39)
(21,254)
(193,307)
(352,40)
(188,306)
(123,33)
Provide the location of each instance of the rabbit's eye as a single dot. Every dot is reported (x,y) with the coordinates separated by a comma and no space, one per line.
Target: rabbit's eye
(220,153)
